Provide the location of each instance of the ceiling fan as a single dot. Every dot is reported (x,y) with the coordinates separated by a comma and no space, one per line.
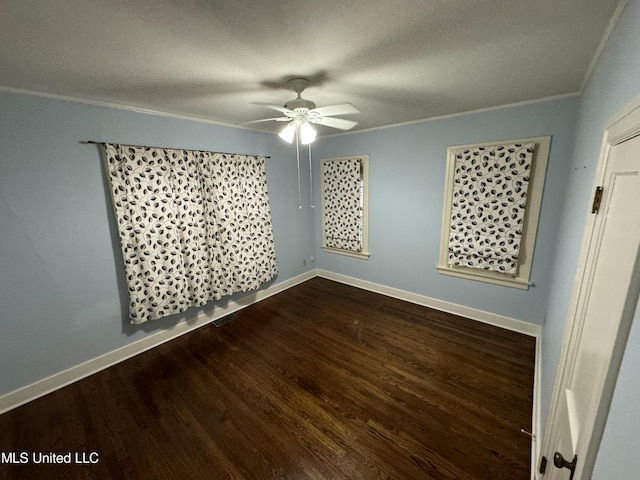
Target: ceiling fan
(301,113)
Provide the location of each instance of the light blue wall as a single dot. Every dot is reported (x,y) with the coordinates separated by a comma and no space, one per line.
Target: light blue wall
(614,83)
(407,170)
(62,296)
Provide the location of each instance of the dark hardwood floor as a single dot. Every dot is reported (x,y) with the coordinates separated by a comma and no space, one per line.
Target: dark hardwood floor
(323,381)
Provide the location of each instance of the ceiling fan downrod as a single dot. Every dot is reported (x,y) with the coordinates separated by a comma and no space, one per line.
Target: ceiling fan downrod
(298,85)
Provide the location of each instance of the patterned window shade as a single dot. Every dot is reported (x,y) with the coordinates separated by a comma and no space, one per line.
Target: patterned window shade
(489,200)
(194,226)
(342,196)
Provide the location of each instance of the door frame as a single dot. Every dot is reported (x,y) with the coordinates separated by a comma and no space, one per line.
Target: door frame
(621,127)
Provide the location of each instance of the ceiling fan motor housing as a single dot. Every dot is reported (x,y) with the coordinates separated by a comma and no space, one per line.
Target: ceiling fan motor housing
(300,104)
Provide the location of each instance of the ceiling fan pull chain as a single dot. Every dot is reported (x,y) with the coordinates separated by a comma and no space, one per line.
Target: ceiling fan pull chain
(298,159)
(311,179)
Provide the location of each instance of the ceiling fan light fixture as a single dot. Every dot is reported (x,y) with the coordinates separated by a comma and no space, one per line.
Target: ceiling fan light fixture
(288,133)
(307,133)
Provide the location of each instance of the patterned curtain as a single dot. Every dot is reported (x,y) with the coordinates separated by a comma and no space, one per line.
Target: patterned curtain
(489,201)
(342,204)
(194,226)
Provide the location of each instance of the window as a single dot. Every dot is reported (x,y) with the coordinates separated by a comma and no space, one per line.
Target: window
(194,226)
(345,191)
(492,201)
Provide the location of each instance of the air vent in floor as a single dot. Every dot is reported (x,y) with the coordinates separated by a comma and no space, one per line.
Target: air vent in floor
(219,322)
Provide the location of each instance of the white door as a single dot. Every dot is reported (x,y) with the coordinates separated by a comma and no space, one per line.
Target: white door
(606,296)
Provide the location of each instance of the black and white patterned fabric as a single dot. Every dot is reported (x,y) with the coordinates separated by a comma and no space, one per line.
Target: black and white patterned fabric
(342,204)
(194,226)
(489,201)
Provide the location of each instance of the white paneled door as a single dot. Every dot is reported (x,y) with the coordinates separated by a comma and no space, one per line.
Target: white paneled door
(605,298)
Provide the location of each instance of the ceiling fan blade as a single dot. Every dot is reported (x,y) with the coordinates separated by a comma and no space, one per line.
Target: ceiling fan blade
(338,109)
(339,123)
(276,119)
(286,111)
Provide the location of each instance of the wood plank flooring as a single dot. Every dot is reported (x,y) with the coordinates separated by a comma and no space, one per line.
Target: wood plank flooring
(323,381)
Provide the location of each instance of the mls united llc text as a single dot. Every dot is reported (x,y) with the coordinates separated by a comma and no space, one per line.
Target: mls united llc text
(50,457)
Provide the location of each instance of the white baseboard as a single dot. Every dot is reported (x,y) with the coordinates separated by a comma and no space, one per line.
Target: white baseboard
(61,379)
(468,312)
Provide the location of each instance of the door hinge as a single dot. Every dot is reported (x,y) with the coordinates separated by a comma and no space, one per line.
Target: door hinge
(597,199)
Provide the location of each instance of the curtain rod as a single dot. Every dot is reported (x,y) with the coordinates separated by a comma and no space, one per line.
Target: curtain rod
(93,142)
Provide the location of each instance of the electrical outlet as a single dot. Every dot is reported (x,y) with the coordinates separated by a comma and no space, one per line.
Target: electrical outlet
(304,262)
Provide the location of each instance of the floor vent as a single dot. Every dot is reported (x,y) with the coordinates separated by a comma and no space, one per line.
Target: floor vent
(219,322)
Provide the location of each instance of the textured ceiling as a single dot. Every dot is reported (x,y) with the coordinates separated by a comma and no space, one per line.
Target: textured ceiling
(397,61)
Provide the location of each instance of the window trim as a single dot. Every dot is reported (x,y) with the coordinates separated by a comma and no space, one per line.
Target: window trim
(364,253)
(522,279)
